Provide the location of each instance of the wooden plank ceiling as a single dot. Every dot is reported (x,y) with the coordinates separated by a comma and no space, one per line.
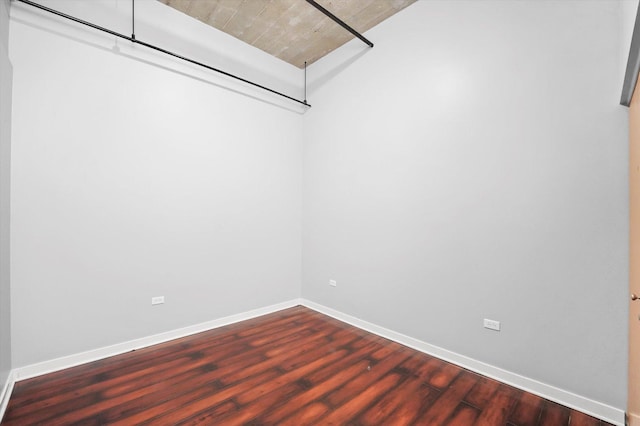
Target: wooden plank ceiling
(291,30)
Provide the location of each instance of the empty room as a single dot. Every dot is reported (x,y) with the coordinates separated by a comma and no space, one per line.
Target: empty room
(330,212)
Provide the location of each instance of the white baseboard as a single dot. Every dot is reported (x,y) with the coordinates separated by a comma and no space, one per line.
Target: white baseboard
(5,394)
(569,399)
(57,364)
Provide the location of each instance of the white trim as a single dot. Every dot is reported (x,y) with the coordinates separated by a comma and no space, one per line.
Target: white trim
(57,364)
(569,399)
(7,389)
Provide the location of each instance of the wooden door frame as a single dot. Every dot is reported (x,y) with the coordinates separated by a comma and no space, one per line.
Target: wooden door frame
(633,373)
(631,98)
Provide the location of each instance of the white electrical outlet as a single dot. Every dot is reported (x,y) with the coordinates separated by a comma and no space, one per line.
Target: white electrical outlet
(333,283)
(157,300)
(492,324)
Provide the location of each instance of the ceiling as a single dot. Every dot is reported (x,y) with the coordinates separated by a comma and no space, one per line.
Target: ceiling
(292,30)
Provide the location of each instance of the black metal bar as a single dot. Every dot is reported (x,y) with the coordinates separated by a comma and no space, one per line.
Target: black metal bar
(633,65)
(159,49)
(133,19)
(339,22)
(305,82)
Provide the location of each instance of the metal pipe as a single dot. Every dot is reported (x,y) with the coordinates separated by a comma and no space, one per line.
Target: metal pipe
(339,22)
(133,19)
(159,49)
(633,65)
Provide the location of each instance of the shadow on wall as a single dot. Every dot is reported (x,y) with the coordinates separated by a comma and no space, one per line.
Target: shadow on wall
(333,72)
(118,49)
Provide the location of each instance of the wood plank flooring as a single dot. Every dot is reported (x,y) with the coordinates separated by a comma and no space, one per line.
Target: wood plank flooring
(294,367)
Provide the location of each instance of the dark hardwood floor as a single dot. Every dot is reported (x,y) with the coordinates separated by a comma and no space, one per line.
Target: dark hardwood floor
(293,367)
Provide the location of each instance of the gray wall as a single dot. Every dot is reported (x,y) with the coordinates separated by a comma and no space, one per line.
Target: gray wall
(135,176)
(5,174)
(473,165)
